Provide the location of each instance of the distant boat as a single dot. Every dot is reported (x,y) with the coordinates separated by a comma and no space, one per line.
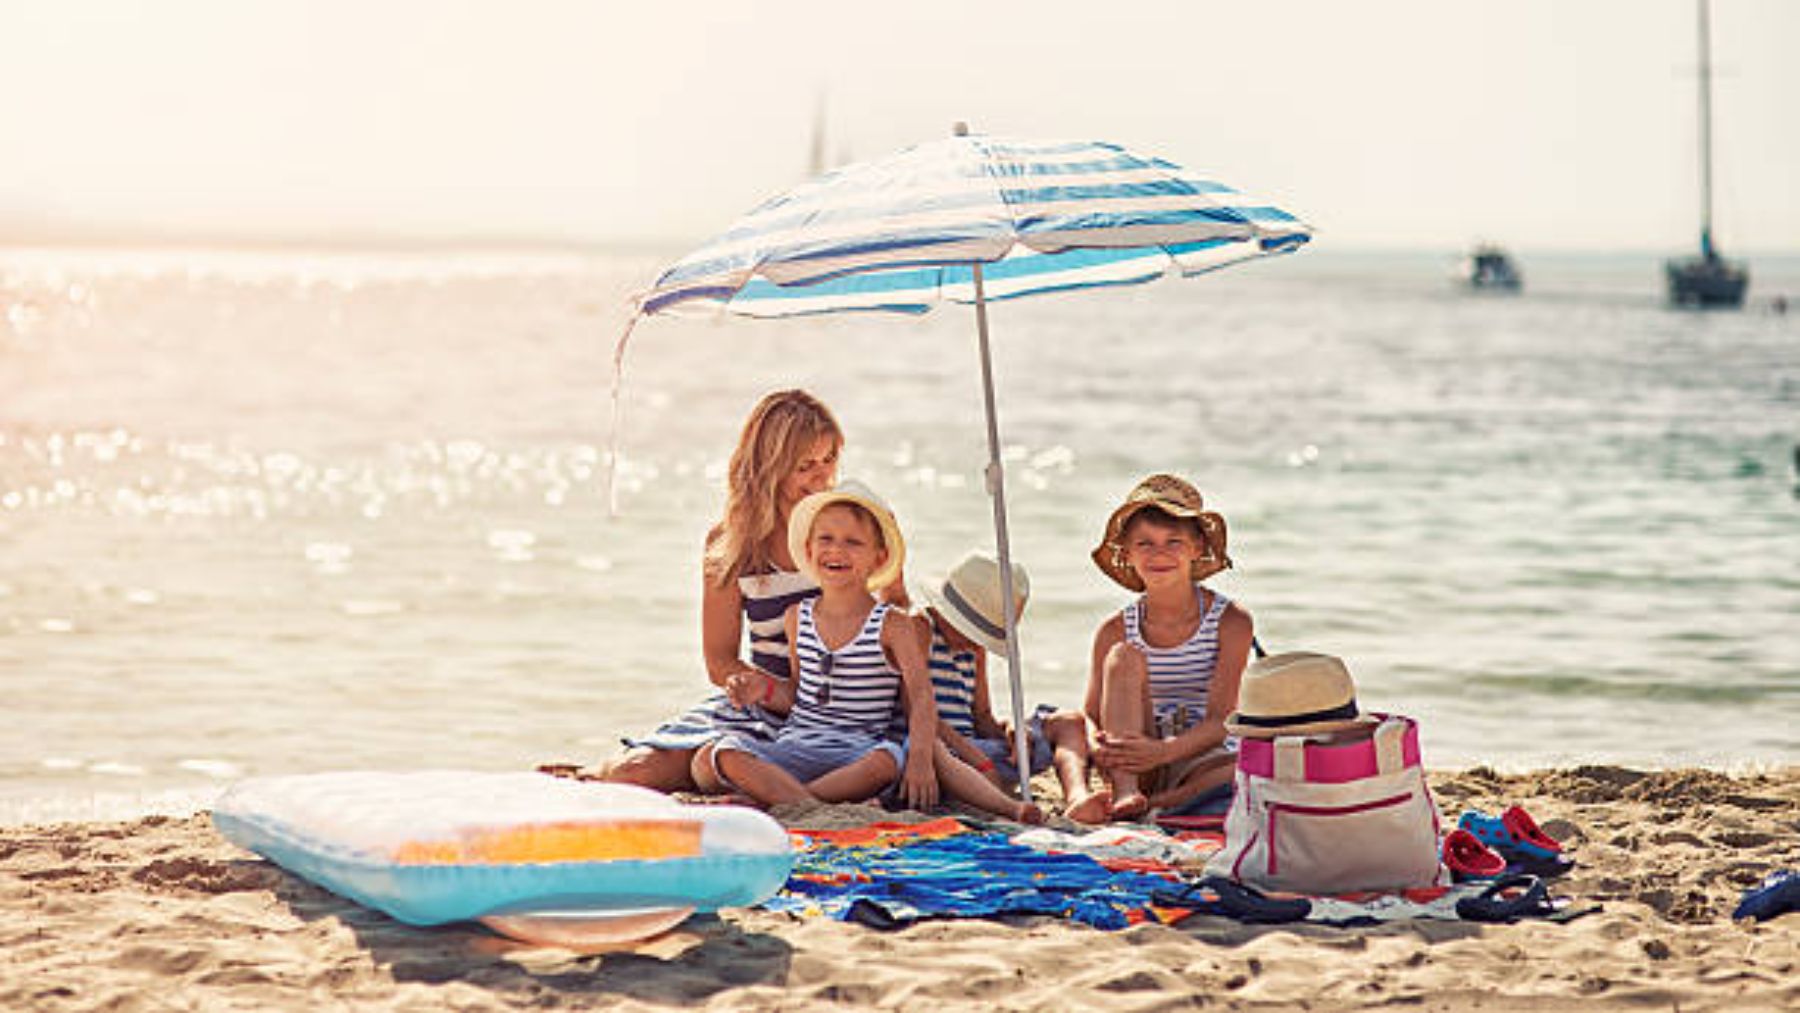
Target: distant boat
(1708,280)
(1489,268)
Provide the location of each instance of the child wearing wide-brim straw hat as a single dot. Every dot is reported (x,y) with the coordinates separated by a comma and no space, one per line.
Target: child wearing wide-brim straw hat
(1166,667)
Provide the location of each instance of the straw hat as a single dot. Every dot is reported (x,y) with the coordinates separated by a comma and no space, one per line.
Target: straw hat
(800,524)
(969,599)
(1297,693)
(1173,496)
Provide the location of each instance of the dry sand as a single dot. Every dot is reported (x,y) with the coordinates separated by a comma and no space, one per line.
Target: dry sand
(164,914)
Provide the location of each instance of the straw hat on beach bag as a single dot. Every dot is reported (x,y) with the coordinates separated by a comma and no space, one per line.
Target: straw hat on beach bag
(1329,799)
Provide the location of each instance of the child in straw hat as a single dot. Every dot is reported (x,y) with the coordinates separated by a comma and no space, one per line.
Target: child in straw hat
(966,623)
(854,657)
(1166,667)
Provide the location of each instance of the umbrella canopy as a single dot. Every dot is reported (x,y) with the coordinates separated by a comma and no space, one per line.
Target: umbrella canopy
(901,233)
(970,219)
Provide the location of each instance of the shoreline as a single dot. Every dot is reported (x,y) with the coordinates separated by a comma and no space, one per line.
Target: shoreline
(160,910)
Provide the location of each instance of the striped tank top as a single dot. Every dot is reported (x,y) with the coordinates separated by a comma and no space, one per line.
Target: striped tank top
(766,600)
(850,690)
(1181,675)
(952,687)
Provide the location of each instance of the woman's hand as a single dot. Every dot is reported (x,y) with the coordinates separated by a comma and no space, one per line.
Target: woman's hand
(1131,753)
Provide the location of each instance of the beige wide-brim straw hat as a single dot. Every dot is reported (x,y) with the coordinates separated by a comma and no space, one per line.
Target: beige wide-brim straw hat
(1297,693)
(800,524)
(1176,497)
(969,599)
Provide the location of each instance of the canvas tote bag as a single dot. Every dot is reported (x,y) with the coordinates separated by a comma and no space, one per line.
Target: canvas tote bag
(1337,815)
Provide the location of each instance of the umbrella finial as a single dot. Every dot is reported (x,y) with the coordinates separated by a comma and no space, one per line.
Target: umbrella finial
(959,129)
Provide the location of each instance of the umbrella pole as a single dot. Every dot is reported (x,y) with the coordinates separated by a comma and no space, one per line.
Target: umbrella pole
(996,485)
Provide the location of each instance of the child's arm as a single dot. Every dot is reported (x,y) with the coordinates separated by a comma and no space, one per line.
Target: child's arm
(953,740)
(981,707)
(1235,631)
(753,685)
(722,630)
(900,639)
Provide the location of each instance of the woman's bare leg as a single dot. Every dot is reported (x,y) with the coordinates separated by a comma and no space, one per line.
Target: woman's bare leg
(662,769)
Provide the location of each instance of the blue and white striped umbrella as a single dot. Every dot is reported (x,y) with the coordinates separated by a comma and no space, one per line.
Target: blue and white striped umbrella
(901,233)
(971,219)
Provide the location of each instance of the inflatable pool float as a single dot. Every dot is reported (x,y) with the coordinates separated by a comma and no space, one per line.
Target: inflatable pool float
(533,857)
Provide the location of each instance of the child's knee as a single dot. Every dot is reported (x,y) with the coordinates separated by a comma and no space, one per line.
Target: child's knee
(1123,661)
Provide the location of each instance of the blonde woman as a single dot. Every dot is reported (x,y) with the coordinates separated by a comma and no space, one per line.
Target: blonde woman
(788,450)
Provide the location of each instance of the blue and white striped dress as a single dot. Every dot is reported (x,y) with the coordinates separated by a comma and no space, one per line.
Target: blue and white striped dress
(767,597)
(850,698)
(1180,676)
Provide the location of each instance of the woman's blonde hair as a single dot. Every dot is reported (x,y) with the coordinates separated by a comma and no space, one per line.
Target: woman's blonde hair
(783,427)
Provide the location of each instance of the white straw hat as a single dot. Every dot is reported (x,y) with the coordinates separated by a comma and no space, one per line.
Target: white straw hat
(800,524)
(1297,693)
(969,599)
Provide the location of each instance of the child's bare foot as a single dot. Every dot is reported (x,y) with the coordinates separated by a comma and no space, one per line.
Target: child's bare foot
(1093,807)
(1028,814)
(1130,807)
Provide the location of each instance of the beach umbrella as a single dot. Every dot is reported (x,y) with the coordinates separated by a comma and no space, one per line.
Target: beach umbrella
(970,219)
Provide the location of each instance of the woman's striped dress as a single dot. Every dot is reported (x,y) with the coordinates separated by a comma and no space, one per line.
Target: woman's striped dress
(767,597)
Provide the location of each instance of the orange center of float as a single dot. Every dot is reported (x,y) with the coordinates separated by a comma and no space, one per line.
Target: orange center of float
(559,842)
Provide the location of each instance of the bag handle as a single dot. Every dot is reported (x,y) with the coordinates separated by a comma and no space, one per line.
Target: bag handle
(1389,741)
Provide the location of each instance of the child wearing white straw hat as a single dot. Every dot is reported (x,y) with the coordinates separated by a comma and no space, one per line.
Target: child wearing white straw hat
(1166,667)
(966,622)
(855,657)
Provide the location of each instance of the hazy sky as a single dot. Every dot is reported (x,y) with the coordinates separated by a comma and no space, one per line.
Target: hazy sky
(1423,123)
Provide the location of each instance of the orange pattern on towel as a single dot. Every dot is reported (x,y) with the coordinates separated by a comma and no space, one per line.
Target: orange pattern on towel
(879,834)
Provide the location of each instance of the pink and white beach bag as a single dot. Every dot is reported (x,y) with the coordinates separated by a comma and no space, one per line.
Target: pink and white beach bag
(1343,814)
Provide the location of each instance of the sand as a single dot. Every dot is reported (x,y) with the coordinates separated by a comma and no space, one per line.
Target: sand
(163,914)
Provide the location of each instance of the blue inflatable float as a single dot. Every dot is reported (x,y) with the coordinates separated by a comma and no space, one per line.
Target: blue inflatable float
(534,857)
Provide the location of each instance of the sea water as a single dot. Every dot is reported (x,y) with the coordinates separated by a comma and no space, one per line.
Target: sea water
(286,511)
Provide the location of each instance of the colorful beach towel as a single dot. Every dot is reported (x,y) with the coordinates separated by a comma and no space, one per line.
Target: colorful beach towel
(892,875)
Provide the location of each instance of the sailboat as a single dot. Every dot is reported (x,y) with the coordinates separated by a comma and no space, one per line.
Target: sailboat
(1708,280)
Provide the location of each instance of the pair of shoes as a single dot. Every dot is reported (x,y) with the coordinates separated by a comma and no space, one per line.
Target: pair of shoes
(1467,858)
(1777,894)
(1508,900)
(1516,836)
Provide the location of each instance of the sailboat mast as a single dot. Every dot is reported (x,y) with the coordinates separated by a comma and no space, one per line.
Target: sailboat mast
(1706,201)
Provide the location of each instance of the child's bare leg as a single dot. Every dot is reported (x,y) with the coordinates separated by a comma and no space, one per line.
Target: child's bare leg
(1202,779)
(966,784)
(863,779)
(1067,732)
(759,779)
(662,769)
(1125,709)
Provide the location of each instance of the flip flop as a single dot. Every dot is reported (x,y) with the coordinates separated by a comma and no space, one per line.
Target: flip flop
(1468,858)
(1508,900)
(1216,895)
(1778,894)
